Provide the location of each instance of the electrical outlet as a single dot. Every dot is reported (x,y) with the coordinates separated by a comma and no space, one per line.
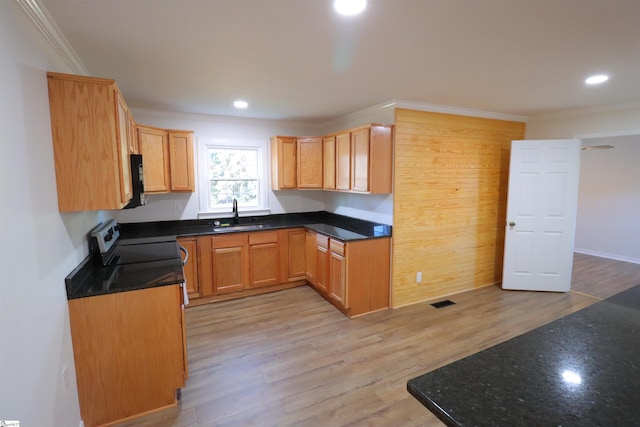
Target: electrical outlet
(419,277)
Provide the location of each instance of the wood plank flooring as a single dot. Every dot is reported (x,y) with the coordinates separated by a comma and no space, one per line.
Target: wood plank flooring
(291,359)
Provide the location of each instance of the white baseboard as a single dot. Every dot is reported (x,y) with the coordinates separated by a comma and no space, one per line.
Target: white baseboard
(607,255)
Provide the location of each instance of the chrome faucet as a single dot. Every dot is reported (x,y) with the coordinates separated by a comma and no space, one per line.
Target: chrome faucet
(236,220)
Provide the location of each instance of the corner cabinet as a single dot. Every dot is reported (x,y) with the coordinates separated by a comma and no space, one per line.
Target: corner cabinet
(354,276)
(130,354)
(90,125)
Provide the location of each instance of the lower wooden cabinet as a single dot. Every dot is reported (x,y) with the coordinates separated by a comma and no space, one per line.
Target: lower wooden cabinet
(129,352)
(353,275)
(264,259)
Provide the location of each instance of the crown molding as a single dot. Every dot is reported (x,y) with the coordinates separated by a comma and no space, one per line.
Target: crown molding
(51,32)
(449,109)
(586,111)
(213,118)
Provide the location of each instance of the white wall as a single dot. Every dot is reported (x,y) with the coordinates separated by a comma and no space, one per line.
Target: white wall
(39,246)
(608,222)
(162,207)
(609,201)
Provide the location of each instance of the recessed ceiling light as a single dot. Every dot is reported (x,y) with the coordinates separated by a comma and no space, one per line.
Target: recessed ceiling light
(349,7)
(240,104)
(597,79)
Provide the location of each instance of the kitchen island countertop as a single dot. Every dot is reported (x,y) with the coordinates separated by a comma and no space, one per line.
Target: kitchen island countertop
(580,370)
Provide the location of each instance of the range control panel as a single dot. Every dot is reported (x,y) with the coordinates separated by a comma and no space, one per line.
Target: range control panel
(105,235)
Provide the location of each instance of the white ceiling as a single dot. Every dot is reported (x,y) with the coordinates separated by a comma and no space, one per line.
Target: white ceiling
(298,60)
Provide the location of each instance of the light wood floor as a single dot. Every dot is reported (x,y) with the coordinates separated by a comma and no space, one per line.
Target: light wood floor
(290,359)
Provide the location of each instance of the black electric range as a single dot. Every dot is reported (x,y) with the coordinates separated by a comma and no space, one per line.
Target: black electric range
(114,265)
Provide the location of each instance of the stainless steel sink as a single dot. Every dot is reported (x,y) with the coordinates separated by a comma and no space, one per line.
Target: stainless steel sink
(239,227)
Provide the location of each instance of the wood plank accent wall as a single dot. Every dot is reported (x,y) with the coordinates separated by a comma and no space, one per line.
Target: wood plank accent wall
(450,193)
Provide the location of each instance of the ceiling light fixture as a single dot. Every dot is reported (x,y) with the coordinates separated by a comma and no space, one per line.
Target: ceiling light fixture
(240,104)
(597,79)
(349,7)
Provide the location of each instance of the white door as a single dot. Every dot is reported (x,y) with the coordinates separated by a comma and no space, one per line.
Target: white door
(541,215)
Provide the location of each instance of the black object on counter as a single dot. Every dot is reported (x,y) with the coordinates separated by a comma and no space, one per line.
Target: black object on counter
(580,370)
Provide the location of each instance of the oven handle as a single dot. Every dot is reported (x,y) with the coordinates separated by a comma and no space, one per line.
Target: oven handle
(186,255)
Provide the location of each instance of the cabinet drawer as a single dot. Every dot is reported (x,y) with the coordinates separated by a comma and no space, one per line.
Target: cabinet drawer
(322,240)
(229,240)
(337,247)
(259,237)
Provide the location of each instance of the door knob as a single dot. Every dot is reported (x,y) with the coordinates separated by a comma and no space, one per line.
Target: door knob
(512,224)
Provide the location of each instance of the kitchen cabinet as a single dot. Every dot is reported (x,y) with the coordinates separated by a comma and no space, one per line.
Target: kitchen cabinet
(343,161)
(91,143)
(133,135)
(167,157)
(371,159)
(294,265)
(283,163)
(353,275)
(337,273)
(154,147)
(309,163)
(230,262)
(191,267)
(129,351)
(181,169)
(322,261)
(329,163)
(310,257)
(264,258)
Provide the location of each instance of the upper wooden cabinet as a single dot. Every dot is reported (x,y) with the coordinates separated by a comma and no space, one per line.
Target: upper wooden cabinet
(329,163)
(283,163)
(356,160)
(181,160)
(309,162)
(154,147)
(343,161)
(91,143)
(167,158)
(371,159)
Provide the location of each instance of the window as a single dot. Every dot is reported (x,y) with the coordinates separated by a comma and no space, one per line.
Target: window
(232,170)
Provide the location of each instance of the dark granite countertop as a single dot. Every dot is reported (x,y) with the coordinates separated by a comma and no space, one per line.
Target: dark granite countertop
(337,226)
(90,278)
(580,370)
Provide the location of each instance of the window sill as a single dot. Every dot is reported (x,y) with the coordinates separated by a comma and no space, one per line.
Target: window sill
(228,214)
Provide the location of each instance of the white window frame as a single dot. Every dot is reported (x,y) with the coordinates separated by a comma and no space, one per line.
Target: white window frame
(262,150)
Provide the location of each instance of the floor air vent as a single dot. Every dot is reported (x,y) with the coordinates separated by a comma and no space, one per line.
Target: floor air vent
(444,303)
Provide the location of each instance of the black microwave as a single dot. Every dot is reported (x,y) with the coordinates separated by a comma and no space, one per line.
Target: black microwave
(137,182)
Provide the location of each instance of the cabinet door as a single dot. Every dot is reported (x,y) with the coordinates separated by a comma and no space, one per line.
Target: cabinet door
(309,162)
(191,267)
(181,161)
(329,163)
(230,267)
(337,272)
(128,346)
(283,163)
(264,259)
(322,261)
(343,161)
(360,160)
(133,135)
(124,161)
(296,254)
(310,257)
(154,147)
